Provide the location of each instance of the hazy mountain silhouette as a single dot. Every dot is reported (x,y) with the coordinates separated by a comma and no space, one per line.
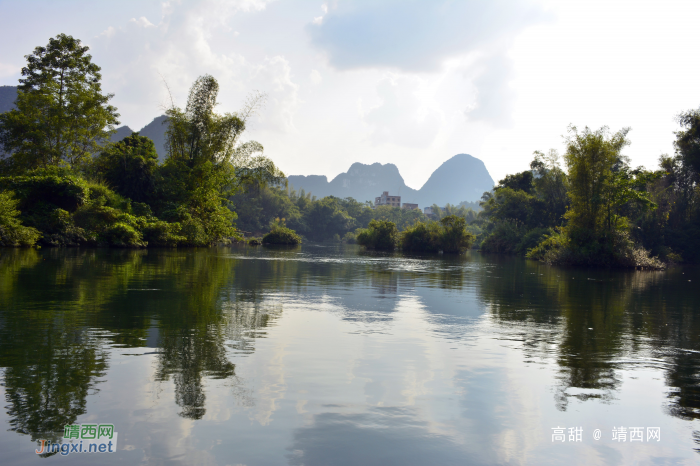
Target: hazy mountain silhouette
(461,178)
(122,132)
(8,94)
(362,182)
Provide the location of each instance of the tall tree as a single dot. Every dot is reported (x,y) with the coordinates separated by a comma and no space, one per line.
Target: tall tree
(62,115)
(688,140)
(206,162)
(591,157)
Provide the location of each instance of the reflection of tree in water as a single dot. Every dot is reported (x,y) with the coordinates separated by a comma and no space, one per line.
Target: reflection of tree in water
(188,355)
(583,321)
(199,320)
(247,320)
(47,387)
(52,360)
(50,300)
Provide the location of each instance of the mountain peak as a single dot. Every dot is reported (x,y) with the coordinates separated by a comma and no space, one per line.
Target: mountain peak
(462,177)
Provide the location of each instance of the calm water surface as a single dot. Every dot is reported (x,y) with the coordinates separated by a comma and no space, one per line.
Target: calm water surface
(333,356)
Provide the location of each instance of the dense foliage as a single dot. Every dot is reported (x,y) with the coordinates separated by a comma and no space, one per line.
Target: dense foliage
(329,218)
(449,235)
(600,211)
(62,185)
(379,235)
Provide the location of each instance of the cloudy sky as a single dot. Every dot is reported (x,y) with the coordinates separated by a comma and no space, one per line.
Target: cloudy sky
(407,82)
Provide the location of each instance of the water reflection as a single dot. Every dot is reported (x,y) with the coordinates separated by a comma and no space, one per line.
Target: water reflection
(420,343)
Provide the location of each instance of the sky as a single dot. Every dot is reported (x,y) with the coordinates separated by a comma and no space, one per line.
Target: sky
(405,82)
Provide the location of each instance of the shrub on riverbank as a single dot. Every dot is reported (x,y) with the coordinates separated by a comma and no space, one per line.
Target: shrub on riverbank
(12,232)
(280,234)
(59,208)
(421,237)
(614,250)
(449,235)
(380,235)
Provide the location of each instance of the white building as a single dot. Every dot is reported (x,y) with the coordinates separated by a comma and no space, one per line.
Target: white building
(385,199)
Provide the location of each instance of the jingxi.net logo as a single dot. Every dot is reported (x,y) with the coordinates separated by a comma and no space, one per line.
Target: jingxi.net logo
(83,438)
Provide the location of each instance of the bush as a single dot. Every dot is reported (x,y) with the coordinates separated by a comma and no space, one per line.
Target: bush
(350,238)
(160,233)
(254,242)
(193,232)
(102,195)
(504,238)
(129,166)
(450,235)
(281,235)
(55,187)
(12,232)
(421,237)
(380,234)
(455,238)
(616,249)
(123,235)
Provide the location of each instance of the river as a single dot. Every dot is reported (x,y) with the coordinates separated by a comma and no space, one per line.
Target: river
(330,355)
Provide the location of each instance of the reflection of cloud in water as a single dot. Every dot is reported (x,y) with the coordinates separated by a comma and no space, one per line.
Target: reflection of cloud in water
(381,436)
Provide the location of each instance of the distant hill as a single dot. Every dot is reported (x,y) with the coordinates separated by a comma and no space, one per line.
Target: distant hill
(361,182)
(156,131)
(8,94)
(461,179)
(122,132)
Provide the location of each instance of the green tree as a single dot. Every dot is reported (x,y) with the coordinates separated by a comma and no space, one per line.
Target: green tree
(380,234)
(601,187)
(688,140)
(129,167)
(62,115)
(454,236)
(12,232)
(595,189)
(206,164)
(551,187)
(326,218)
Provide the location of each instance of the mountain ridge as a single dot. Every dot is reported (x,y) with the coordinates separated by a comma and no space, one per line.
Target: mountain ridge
(461,178)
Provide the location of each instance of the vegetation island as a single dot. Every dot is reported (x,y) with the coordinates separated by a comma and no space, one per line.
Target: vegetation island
(64,183)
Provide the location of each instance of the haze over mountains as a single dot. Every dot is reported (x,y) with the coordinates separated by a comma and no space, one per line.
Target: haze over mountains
(459,179)
(8,94)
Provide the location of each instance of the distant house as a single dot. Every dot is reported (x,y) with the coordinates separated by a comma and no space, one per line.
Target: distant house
(428,211)
(409,206)
(385,199)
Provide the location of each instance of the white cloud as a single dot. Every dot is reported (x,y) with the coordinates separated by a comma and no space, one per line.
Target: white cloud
(494,95)
(142,21)
(416,36)
(182,47)
(315,77)
(405,116)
